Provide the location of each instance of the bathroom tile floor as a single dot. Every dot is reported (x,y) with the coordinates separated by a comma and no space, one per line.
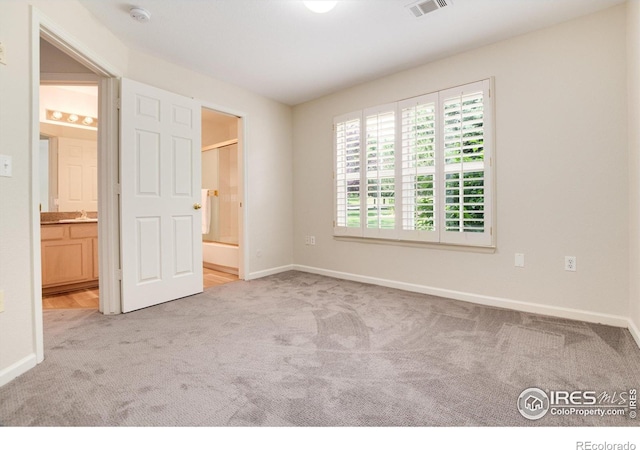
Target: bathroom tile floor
(89,298)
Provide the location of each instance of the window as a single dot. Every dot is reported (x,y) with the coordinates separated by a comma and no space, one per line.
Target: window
(419,169)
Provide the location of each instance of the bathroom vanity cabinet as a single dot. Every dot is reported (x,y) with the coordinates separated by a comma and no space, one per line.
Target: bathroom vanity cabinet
(69,256)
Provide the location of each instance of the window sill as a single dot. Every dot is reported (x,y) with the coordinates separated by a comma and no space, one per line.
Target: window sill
(418,244)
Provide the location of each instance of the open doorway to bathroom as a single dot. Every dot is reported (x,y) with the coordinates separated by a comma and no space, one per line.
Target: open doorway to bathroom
(221,197)
(68,116)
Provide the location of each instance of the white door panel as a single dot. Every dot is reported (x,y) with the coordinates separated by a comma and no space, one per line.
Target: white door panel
(77,175)
(160,184)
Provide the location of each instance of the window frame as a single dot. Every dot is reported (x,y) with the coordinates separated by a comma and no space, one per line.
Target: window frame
(440,235)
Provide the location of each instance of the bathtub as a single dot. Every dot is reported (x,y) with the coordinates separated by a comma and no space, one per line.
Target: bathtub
(222,257)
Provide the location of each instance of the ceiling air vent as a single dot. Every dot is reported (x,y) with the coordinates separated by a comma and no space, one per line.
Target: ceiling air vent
(423,7)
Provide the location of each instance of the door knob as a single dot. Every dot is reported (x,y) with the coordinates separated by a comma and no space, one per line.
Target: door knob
(197,206)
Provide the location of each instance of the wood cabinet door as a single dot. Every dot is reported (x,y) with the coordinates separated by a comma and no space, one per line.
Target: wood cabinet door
(66,261)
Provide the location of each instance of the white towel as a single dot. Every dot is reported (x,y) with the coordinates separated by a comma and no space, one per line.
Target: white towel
(206,212)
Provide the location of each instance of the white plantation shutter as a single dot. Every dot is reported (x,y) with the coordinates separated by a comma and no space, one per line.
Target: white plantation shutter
(418,123)
(380,144)
(348,215)
(465,213)
(418,170)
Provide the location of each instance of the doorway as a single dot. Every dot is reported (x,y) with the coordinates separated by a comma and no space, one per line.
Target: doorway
(110,183)
(221,197)
(68,203)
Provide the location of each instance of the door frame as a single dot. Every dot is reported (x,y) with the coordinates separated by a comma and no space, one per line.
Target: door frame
(243,255)
(108,225)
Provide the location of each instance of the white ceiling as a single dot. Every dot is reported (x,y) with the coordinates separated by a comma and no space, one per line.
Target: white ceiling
(281,50)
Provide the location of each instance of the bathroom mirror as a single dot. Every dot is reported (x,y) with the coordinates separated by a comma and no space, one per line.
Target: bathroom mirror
(68,148)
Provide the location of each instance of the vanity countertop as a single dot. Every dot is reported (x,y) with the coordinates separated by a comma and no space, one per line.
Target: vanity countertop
(69,221)
(56,218)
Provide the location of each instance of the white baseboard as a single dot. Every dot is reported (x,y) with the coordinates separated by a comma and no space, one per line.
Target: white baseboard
(635,332)
(267,272)
(17,369)
(555,311)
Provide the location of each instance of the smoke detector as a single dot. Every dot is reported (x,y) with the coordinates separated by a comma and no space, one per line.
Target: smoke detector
(423,7)
(140,14)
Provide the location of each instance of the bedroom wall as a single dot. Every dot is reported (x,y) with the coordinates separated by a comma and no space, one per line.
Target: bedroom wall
(268,144)
(562,184)
(633,61)
(16,328)
(17,322)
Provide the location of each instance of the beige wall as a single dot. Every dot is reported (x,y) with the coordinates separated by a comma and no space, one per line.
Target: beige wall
(268,158)
(16,322)
(217,128)
(633,61)
(51,130)
(561,134)
(53,60)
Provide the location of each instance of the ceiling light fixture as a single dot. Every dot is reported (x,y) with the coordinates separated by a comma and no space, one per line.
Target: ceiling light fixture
(140,14)
(320,6)
(71,119)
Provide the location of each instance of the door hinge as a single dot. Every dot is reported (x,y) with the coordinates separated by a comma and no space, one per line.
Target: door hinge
(118,189)
(118,103)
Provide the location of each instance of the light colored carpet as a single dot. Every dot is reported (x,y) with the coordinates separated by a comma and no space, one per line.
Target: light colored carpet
(298,349)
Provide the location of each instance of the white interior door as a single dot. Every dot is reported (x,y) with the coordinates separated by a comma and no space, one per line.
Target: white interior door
(161,240)
(77,175)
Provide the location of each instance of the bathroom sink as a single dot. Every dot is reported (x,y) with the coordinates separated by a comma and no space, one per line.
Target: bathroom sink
(78,220)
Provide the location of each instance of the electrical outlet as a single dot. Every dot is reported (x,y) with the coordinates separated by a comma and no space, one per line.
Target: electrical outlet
(570,263)
(1,301)
(519,260)
(312,240)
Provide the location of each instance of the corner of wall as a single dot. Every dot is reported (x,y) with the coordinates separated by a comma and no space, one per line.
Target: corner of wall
(633,116)
(635,331)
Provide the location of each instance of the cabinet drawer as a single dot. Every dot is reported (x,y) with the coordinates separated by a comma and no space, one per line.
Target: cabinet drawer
(53,232)
(84,230)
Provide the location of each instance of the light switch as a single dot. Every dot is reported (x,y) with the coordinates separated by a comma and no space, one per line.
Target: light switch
(519,260)
(5,166)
